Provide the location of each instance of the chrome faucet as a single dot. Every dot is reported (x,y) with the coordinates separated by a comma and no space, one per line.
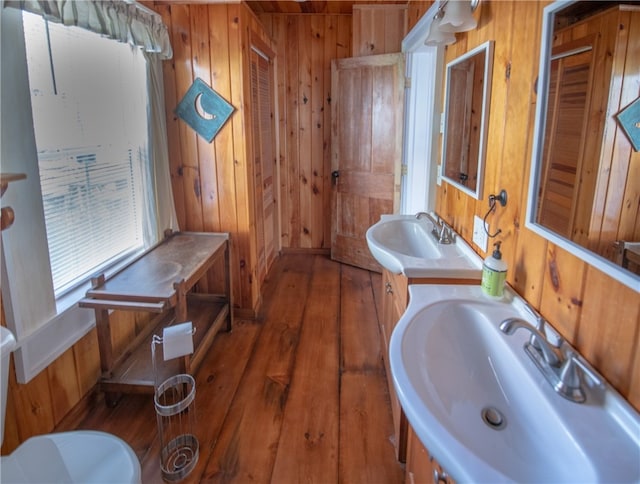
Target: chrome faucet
(560,370)
(442,232)
(538,340)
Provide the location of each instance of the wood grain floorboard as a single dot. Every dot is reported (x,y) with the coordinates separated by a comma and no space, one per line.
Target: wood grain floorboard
(308,447)
(361,342)
(366,427)
(217,383)
(366,450)
(249,439)
(299,395)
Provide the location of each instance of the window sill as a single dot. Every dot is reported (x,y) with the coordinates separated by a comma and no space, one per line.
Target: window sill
(70,298)
(38,350)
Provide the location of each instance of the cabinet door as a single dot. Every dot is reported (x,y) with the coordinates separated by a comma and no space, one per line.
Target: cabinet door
(387,323)
(392,308)
(422,468)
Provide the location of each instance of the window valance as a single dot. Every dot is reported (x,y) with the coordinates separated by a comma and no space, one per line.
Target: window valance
(122,20)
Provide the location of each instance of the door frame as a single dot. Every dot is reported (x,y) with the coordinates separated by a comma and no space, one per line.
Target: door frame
(422,122)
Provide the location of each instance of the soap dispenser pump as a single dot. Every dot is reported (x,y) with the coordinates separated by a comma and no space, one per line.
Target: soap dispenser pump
(494,273)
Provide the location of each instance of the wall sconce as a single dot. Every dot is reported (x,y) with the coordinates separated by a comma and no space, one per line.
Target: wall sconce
(452,16)
(437,36)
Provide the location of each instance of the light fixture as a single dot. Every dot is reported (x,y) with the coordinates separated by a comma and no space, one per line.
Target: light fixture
(458,16)
(436,35)
(452,16)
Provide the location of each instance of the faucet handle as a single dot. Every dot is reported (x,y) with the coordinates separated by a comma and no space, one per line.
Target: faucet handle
(540,321)
(569,383)
(573,361)
(444,235)
(532,310)
(539,325)
(556,341)
(447,234)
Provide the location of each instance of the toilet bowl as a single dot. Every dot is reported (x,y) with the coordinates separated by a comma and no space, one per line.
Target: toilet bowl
(83,456)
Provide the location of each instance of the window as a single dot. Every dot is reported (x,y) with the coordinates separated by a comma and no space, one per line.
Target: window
(99,165)
(89,103)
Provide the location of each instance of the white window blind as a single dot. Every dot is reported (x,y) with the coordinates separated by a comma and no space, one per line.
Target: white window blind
(89,102)
(90,208)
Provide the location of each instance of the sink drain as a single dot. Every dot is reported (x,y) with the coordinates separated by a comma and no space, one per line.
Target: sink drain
(493,418)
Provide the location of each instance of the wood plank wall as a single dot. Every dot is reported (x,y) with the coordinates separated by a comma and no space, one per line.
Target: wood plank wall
(305,45)
(598,315)
(595,214)
(212,190)
(378,29)
(415,10)
(213,182)
(38,406)
(615,213)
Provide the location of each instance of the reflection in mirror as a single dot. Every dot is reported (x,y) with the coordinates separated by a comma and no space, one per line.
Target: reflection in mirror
(466,116)
(584,193)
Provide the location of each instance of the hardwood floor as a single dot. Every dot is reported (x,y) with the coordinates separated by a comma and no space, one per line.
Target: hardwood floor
(297,396)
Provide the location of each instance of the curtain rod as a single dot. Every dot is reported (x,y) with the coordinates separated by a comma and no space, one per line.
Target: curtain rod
(141,7)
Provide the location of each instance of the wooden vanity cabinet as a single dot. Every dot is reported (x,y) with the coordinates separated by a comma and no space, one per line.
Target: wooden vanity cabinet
(421,467)
(394,302)
(395,298)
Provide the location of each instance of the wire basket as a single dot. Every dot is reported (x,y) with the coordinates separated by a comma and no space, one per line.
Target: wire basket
(175,410)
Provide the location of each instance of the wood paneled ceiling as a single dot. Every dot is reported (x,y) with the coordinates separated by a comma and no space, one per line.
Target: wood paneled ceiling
(313,6)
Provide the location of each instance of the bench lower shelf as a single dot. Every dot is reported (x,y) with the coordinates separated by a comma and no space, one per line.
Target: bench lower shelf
(135,373)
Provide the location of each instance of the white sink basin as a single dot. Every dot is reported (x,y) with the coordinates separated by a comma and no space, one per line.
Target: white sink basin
(450,362)
(403,244)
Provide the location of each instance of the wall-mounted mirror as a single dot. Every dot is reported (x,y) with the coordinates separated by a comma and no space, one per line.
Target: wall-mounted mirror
(584,190)
(466,115)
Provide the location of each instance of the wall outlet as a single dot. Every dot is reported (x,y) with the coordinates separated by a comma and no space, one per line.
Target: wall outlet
(439,175)
(479,234)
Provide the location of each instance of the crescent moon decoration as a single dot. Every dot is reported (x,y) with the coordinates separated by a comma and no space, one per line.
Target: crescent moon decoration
(629,119)
(200,110)
(204,110)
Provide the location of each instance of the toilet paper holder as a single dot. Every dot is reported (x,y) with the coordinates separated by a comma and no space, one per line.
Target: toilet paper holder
(176,340)
(174,401)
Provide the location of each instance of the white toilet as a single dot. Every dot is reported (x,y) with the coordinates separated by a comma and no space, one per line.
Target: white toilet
(80,456)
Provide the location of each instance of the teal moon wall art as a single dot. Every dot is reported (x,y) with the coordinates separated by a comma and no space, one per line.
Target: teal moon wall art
(204,110)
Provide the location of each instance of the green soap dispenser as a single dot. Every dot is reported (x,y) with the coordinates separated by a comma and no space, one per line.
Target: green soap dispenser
(494,273)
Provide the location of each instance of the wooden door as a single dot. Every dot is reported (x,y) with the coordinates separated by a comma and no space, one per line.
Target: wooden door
(366,143)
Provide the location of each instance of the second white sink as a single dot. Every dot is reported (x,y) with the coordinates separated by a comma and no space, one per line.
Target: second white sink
(403,244)
(485,411)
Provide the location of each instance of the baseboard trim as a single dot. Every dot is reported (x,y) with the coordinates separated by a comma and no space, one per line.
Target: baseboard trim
(297,250)
(244,313)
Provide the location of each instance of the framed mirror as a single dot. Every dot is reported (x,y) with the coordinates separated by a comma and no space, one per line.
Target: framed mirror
(466,115)
(584,187)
